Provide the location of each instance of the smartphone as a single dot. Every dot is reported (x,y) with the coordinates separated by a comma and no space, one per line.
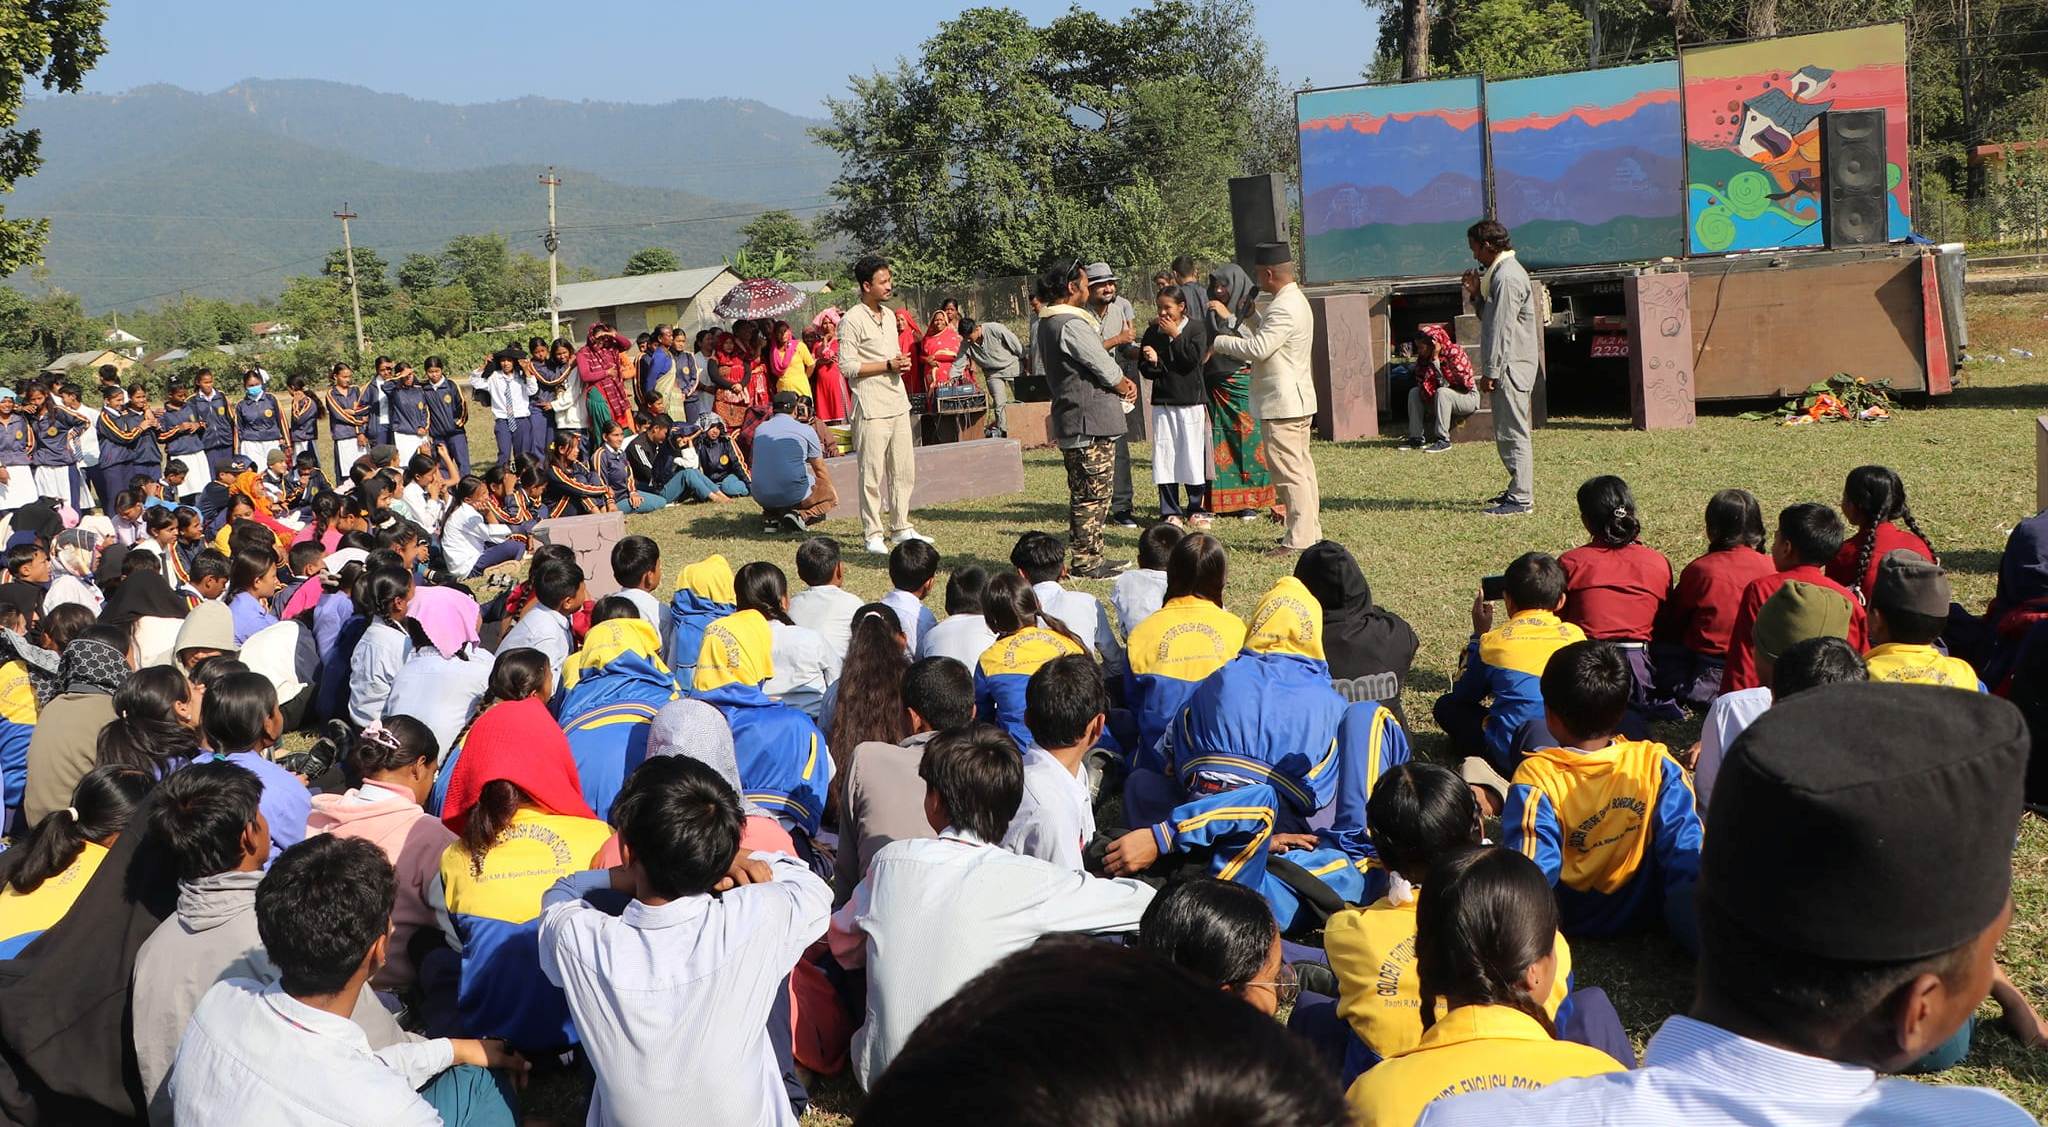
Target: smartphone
(1493,588)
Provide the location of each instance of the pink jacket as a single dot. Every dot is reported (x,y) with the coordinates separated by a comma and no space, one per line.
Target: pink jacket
(388,817)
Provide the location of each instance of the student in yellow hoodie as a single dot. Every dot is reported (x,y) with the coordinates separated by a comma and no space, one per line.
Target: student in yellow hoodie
(1908,611)
(1485,950)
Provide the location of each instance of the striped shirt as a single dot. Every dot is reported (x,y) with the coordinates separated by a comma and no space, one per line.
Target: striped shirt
(1703,1076)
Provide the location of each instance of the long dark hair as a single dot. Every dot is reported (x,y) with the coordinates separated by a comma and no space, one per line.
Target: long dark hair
(1880,495)
(1009,604)
(1220,930)
(1486,916)
(761,586)
(101,805)
(145,732)
(869,704)
(516,674)
(1734,519)
(1197,566)
(1417,813)
(1608,510)
(236,713)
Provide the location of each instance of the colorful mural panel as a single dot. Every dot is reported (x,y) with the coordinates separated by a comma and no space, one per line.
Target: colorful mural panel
(1752,133)
(1390,178)
(1588,167)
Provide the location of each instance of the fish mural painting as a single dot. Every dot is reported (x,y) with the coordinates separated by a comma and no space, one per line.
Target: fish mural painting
(1391,176)
(1588,167)
(1754,178)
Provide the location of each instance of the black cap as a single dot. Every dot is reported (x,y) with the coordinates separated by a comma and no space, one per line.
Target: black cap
(1272,254)
(785,401)
(1868,822)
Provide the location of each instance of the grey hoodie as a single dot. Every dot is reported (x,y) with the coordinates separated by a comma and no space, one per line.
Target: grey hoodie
(210,938)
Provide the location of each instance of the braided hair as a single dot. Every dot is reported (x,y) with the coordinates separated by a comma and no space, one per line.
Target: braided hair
(1484,918)
(1878,495)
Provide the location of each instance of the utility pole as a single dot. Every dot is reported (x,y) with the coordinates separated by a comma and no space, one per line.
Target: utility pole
(348,251)
(553,240)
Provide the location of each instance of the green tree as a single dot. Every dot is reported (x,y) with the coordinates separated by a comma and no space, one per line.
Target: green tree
(373,277)
(777,240)
(1509,38)
(54,42)
(478,262)
(315,305)
(56,323)
(652,260)
(1004,143)
(419,272)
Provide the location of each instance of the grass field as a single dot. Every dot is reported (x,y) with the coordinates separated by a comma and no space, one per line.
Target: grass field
(1413,522)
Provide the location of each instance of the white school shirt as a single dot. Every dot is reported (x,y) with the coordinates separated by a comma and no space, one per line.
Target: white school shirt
(511,394)
(1057,815)
(440,692)
(426,510)
(1136,595)
(672,1002)
(805,667)
(1702,1075)
(543,629)
(467,537)
(962,637)
(934,912)
(1727,717)
(915,616)
(646,606)
(829,610)
(1083,614)
(374,666)
(255,1054)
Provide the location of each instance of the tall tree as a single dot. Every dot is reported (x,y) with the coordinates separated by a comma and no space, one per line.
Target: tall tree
(652,260)
(779,238)
(1414,39)
(54,42)
(1004,143)
(373,276)
(419,273)
(478,262)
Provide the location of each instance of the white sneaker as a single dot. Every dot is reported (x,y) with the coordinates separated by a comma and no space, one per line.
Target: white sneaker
(876,546)
(908,535)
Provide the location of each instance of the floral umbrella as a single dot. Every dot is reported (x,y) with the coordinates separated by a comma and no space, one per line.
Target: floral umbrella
(756,298)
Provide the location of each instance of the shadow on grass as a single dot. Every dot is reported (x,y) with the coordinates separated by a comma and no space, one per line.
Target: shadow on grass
(1401,504)
(1975,561)
(2019,396)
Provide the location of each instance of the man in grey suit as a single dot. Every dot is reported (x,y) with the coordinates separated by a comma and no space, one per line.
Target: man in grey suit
(1511,341)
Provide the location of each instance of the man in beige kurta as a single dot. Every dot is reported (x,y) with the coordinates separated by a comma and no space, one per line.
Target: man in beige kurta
(874,363)
(1284,392)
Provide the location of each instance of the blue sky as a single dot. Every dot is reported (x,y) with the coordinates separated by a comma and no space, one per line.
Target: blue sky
(791,54)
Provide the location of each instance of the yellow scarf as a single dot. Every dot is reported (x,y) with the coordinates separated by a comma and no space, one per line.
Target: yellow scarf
(738,649)
(1486,275)
(710,578)
(607,641)
(1288,620)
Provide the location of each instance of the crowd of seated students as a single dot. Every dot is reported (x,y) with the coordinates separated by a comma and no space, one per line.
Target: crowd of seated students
(707,839)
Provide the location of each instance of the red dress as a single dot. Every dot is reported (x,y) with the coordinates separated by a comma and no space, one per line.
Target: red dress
(1614,594)
(828,383)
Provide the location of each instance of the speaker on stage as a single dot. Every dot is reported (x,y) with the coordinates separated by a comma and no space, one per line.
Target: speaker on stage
(1852,158)
(1258,214)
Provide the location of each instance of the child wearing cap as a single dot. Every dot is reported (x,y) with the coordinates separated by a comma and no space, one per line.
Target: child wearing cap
(1809,536)
(1908,611)
(1506,664)
(1611,822)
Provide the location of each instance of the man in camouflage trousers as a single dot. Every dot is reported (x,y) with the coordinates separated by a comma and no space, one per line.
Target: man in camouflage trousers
(1090,394)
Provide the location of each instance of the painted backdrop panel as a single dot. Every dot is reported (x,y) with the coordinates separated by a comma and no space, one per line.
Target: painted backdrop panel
(1752,132)
(1390,178)
(1589,167)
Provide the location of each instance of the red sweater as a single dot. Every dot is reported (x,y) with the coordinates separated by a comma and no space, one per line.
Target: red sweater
(1702,610)
(1615,593)
(1890,538)
(1741,672)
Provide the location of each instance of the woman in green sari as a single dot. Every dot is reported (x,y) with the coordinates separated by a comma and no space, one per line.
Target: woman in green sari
(1243,484)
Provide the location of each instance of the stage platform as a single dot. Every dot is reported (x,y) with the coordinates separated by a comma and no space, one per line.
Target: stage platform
(949,472)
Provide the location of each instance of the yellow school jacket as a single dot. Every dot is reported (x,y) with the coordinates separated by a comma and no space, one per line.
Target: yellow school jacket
(1372,951)
(1920,665)
(1471,1049)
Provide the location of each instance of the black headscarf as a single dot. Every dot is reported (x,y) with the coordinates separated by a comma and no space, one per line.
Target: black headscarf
(144,594)
(39,517)
(1359,639)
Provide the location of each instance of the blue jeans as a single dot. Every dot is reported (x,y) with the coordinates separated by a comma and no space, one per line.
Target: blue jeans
(502,552)
(733,486)
(472,1097)
(637,502)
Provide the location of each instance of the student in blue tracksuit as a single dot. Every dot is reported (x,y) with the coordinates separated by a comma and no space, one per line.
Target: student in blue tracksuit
(149,448)
(1506,664)
(305,411)
(785,767)
(447,414)
(1254,753)
(17,443)
(704,594)
(1610,821)
(407,400)
(55,457)
(211,409)
(377,400)
(611,689)
(116,432)
(1175,648)
(182,428)
(348,417)
(259,421)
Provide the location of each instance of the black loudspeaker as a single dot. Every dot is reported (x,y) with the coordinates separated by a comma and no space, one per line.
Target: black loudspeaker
(1852,160)
(1258,214)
